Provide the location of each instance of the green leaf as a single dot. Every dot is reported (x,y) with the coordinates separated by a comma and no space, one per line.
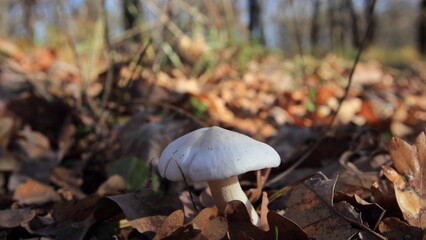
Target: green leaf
(134,171)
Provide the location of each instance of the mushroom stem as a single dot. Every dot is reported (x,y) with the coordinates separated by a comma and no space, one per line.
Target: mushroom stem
(228,189)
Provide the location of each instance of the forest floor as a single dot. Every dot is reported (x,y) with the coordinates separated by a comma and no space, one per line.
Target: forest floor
(78,155)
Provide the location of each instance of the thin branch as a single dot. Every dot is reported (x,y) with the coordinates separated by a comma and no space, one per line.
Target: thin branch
(185,181)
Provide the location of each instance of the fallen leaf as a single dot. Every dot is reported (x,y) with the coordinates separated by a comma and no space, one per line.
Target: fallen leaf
(148,224)
(66,230)
(371,213)
(112,186)
(35,154)
(67,178)
(203,217)
(34,192)
(33,144)
(348,110)
(239,222)
(395,229)
(409,178)
(264,212)
(284,228)
(280,227)
(310,205)
(216,228)
(75,210)
(261,177)
(171,224)
(6,125)
(15,217)
(144,203)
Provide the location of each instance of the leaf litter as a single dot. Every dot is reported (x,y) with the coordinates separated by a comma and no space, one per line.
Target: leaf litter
(59,151)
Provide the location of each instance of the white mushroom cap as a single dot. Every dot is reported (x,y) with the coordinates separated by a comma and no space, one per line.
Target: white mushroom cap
(214,153)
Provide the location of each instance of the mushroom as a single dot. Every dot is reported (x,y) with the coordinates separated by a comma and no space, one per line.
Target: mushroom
(218,156)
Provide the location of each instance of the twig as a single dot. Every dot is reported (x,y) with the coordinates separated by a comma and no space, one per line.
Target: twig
(184,180)
(333,118)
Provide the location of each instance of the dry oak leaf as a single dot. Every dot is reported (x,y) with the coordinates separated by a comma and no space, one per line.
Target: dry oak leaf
(409,178)
(310,204)
(172,223)
(10,218)
(280,227)
(395,229)
(34,192)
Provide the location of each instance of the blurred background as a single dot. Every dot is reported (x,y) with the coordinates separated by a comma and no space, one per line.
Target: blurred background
(294,27)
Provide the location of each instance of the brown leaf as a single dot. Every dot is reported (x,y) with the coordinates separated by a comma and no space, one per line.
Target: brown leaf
(144,203)
(310,205)
(261,177)
(216,228)
(284,228)
(241,228)
(69,179)
(371,213)
(146,224)
(34,192)
(264,212)
(239,221)
(409,178)
(33,144)
(8,162)
(395,229)
(36,156)
(113,185)
(203,217)
(6,125)
(15,217)
(76,210)
(171,224)
(235,211)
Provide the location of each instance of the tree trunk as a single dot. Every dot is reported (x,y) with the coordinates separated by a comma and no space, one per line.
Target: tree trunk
(29,18)
(255,21)
(315,25)
(353,23)
(4,27)
(332,23)
(422,28)
(369,16)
